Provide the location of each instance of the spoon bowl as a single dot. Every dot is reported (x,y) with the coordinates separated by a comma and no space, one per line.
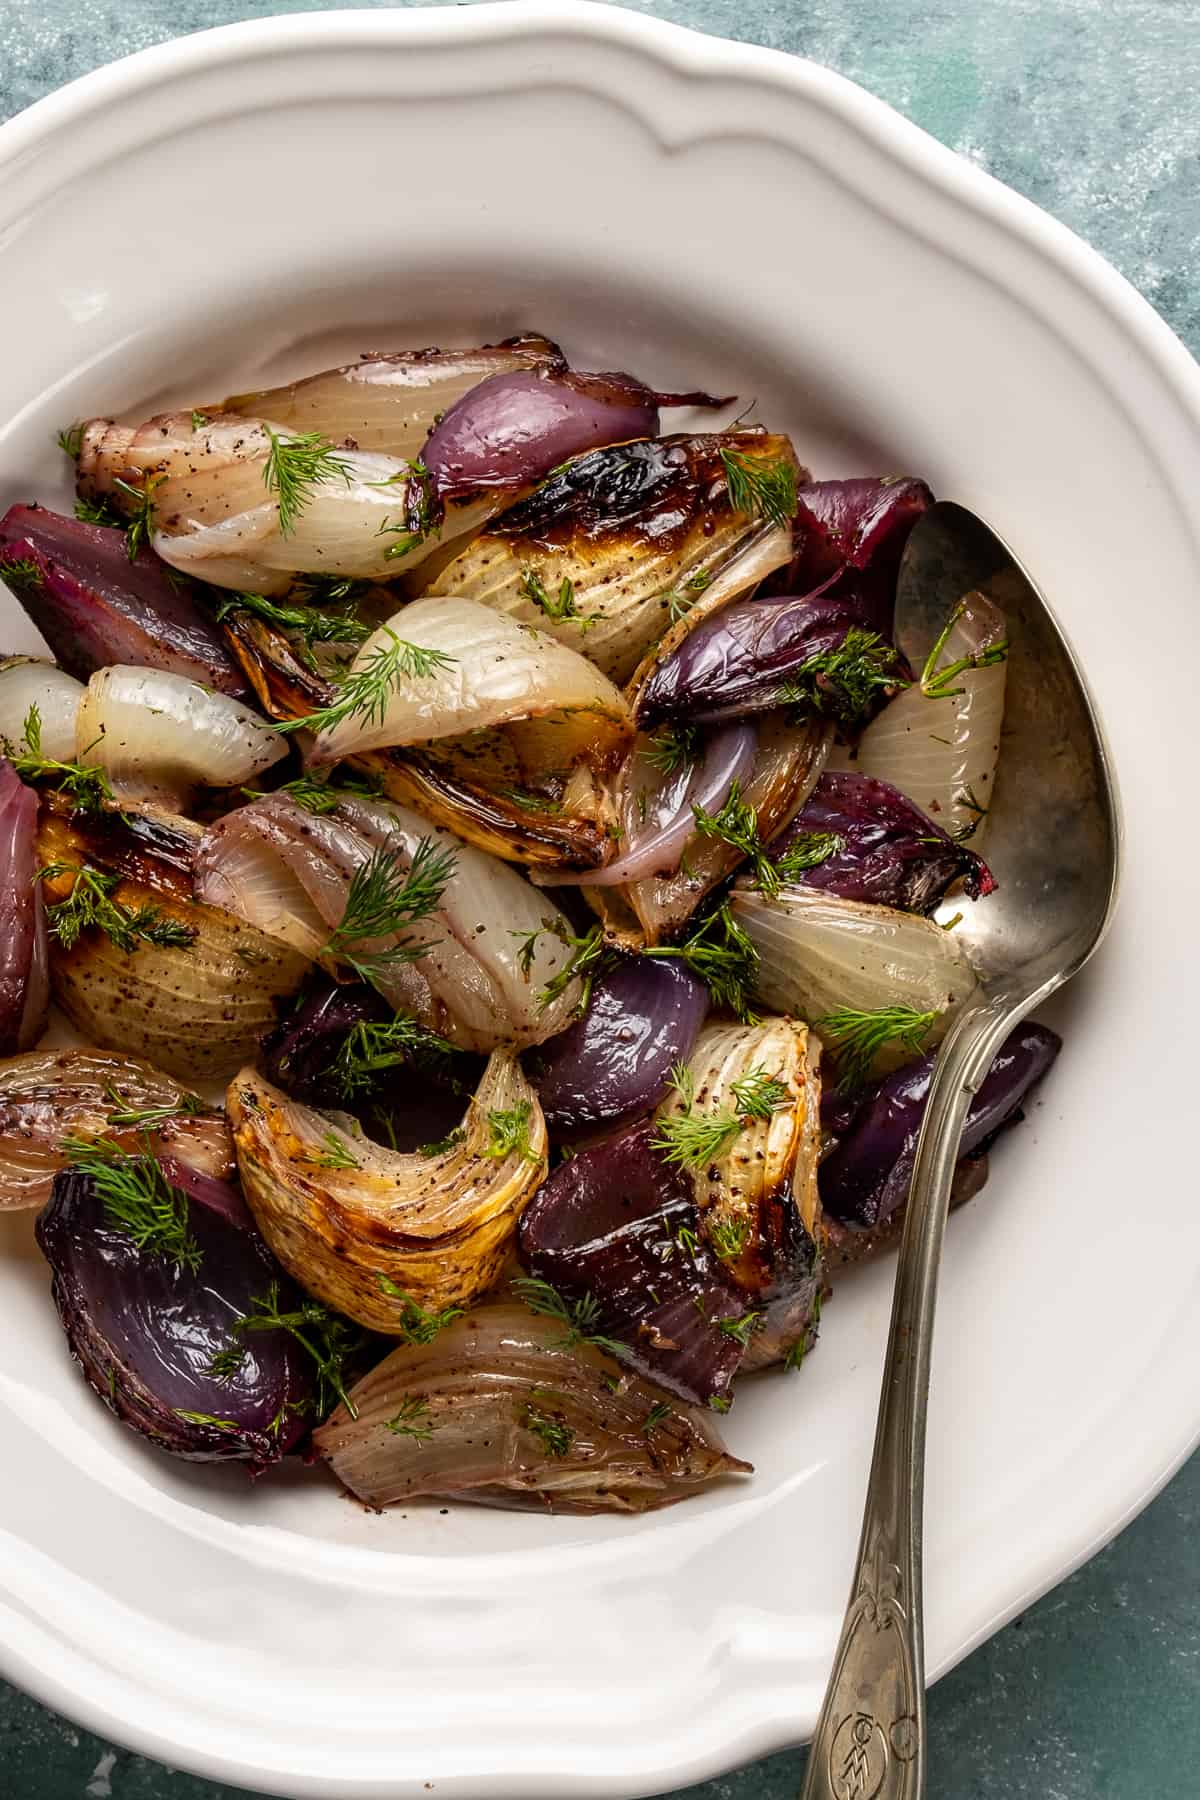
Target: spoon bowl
(1054,847)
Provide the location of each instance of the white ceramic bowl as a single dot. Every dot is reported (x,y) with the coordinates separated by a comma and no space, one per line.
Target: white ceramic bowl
(703,213)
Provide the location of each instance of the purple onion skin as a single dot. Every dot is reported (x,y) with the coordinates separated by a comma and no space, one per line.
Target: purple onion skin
(735,662)
(892,854)
(217,1196)
(607,1223)
(24,956)
(145,1332)
(856,530)
(866,1177)
(614,1063)
(512,429)
(94,607)
(405,1109)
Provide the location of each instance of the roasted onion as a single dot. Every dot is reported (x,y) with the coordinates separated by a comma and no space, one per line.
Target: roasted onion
(196,1007)
(94,605)
(49,1095)
(821,957)
(27,682)
(874,845)
(374,1233)
(145,1329)
(614,1063)
(498,1409)
(621,542)
(24,982)
(391,401)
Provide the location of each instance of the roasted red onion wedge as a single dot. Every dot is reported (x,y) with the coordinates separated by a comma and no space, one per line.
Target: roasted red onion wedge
(865,1176)
(808,652)
(614,1063)
(511,430)
(24,977)
(865,840)
(49,1095)
(856,530)
(95,606)
(147,1325)
(504,1409)
(616,1230)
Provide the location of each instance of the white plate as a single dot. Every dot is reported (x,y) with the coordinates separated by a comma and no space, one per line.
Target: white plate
(707,213)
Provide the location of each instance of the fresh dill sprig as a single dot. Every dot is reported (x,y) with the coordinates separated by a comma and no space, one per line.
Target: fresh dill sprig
(758,1094)
(329,1340)
(131,1118)
(137,1198)
(720,1403)
(556,607)
(370,1048)
(311,624)
(296,466)
(90,789)
(723,956)
(673,748)
(413,1420)
(90,903)
(728,1238)
(225,1364)
(440,1146)
(416,1325)
(508,1133)
(383,897)
(365,692)
(70,441)
(742,1329)
(935,682)
(658,1412)
(556,1436)
(842,684)
(580,1318)
(858,1037)
(766,489)
(737,825)
(334,1154)
(584,964)
(21,575)
(962,834)
(681,600)
(197,1418)
(807,850)
(690,1139)
(199,420)
(139,515)
(808,1337)
(99,512)
(319,794)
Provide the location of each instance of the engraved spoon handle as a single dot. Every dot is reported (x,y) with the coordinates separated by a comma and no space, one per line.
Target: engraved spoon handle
(870,1738)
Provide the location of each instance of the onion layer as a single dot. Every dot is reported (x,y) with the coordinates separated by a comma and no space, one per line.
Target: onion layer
(158,736)
(372,1232)
(490,672)
(26,682)
(614,1063)
(145,1330)
(820,955)
(49,1095)
(938,741)
(496,1409)
(24,980)
(94,606)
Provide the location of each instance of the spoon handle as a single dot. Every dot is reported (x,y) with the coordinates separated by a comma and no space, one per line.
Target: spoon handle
(870,1738)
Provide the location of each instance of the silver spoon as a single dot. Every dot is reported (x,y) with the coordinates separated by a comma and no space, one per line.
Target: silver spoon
(1053,843)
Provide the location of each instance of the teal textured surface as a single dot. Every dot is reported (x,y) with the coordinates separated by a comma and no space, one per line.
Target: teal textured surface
(1088,107)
